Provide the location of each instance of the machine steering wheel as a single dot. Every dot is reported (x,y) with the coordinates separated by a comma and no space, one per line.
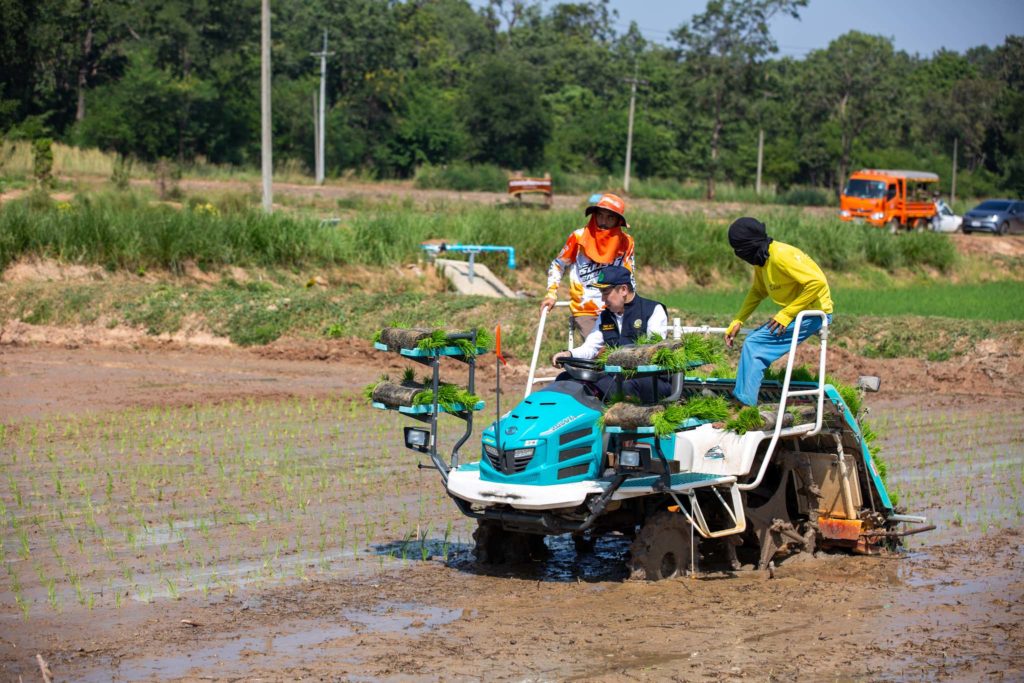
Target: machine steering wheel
(580,369)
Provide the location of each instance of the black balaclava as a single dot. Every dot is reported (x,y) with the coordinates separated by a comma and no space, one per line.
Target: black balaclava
(748,239)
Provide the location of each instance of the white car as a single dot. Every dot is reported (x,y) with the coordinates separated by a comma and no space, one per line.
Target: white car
(944,219)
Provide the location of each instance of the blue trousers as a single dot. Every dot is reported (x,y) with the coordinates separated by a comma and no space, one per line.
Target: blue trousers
(760,348)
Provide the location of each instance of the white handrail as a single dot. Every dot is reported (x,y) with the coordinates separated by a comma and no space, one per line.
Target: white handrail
(530,381)
(819,392)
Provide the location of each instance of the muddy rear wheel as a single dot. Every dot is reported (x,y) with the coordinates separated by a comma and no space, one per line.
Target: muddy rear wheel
(662,549)
(496,545)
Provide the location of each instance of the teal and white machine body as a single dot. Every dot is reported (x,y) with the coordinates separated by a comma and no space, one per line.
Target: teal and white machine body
(549,454)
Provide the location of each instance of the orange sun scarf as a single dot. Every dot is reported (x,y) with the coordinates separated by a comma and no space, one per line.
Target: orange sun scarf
(603,246)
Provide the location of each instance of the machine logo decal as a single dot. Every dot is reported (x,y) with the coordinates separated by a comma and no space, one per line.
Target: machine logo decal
(561,423)
(511,430)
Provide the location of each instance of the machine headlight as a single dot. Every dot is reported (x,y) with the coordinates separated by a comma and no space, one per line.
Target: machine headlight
(629,458)
(844,213)
(877,216)
(490,450)
(417,439)
(522,453)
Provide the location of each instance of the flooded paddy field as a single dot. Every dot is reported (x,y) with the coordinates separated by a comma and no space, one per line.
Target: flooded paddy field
(208,517)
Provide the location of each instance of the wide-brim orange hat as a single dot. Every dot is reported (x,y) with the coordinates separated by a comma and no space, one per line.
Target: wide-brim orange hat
(609,202)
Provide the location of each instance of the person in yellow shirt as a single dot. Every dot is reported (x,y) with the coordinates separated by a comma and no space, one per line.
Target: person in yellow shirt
(793,281)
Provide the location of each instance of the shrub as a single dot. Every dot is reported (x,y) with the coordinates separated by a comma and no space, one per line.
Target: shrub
(462,177)
(42,161)
(805,196)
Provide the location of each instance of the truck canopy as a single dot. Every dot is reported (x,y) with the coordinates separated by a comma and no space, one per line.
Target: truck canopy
(918,176)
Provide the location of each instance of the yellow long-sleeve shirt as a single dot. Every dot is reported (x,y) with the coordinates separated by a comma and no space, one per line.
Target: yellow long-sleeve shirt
(792,280)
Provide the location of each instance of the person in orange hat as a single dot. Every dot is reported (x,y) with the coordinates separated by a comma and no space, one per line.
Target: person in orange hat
(602,242)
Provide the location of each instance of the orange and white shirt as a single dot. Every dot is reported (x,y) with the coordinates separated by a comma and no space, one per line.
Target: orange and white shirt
(584,298)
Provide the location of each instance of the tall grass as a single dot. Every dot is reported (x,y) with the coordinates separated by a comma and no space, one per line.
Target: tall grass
(128,234)
(16,162)
(16,158)
(124,232)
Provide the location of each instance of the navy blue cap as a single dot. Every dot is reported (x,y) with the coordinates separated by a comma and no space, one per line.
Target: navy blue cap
(610,276)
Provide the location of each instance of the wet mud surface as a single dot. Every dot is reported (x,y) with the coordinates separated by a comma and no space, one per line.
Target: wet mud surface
(183,515)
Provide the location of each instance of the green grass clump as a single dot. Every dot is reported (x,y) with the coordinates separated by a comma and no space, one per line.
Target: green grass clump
(748,419)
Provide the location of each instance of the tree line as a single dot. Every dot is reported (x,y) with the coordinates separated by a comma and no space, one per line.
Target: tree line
(512,83)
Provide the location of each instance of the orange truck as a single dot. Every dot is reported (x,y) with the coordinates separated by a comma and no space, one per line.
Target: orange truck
(889,199)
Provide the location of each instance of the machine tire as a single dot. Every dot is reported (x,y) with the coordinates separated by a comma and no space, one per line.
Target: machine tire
(583,544)
(662,548)
(1004,228)
(496,545)
(893,226)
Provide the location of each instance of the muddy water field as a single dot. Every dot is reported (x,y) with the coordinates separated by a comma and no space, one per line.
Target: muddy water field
(175,515)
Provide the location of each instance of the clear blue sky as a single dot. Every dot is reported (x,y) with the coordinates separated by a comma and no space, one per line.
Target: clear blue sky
(916,26)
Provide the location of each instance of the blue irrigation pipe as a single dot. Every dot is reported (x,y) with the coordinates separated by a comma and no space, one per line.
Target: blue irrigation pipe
(472,250)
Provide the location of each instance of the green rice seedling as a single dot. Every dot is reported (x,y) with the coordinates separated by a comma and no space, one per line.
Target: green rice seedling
(649,338)
(445,544)
(22,604)
(665,422)
(748,419)
(24,550)
(712,408)
(449,396)
(602,358)
(424,550)
(801,373)
(51,595)
(707,350)
(672,360)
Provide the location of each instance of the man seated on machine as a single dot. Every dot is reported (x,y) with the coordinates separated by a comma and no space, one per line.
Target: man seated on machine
(626,317)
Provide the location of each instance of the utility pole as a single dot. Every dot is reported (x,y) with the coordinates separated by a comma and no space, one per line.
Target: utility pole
(760,160)
(319,134)
(316,132)
(952,190)
(629,135)
(265,141)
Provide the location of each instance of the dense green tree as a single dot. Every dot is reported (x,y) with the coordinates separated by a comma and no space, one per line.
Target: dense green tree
(520,83)
(850,88)
(141,114)
(505,116)
(722,47)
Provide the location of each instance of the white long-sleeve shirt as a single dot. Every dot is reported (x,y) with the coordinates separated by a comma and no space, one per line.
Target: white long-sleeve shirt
(592,345)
